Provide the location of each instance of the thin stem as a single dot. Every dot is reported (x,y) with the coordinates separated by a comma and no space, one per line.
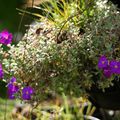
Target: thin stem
(20,23)
(32,3)
(5,109)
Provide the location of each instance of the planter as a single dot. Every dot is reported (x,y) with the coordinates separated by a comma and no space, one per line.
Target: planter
(110,99)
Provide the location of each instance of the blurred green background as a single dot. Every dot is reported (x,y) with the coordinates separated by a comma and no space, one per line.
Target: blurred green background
(9,17)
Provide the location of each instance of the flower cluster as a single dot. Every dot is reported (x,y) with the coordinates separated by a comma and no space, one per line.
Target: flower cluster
(5,37)
(13,88)
(109,67)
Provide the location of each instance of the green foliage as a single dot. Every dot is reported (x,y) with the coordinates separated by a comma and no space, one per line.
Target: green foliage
(101,38)
(71,109)
(58,12)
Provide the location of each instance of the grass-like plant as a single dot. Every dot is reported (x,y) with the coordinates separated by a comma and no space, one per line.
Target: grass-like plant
(59,12)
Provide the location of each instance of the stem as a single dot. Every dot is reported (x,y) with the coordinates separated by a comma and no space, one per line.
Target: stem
(20,23)
(32,3)
(5,109)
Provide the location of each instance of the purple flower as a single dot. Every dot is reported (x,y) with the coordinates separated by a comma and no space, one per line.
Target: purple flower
(1,72)
(103,62)
(107,72)
(12,88)
(12,80)
(115,66)
(11,83)
(5,37)
(27,92)
(11,95)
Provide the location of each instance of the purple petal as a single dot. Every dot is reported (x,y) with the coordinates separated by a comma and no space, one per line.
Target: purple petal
(12,80)
(107,72)
(103,62)
(5,37)
(115,66)
(1,72)
(28,89)
(12,89)
(26,97)
(11,95)
(27,92)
